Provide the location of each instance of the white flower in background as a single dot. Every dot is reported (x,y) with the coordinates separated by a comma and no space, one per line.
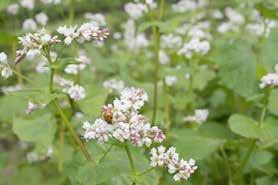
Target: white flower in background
(187,76)
(163,57)
(200,116)
(98,18)
(31,107)
(35,157)
(6,71)
(72,69)
(3,58)
(12,9)
(32,53)
(117,35)
(226,27)
(194,46)
(70,33)
(10,89)
(41,18)
(261,28)
(184,6)
(63,82)
(29,25)
(151,4)
(114,85)
(234,16)
(181,169)
(76,92)
(171,41)
(98,131)
(135,10)
(171,80)
(217,14)
(270,79)
(29,4)
(51,1)
(42,67)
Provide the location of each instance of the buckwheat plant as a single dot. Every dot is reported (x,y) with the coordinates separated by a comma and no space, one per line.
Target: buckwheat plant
(123,123)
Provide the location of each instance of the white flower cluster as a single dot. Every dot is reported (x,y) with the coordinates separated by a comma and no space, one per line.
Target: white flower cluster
(171,80)
(86,32)
(82,60)
(33,106)
(270,79)
(75,92)
(171,41)
(194,46)
(114,85)
(10,89)
(6,71)
(34,43)
(123,122)
(200,116)
(31,25)
(187,5)
(132,40)
(181,169)
(135,10)
(98,18)
(235,20)
(35,157)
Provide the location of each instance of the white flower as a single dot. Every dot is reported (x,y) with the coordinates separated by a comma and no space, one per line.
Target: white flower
(158,156)
(6,72)
(135,10)
(171,80)
(98,131)
(70,33)
(234,16)
(31,107)
(121,132)
(184,6)
(51,1)
(42,18)
(42,67)
(114,85)
(10,89)
(163,57)
(32,53)
(217,14)
(194,46)
(29,25)
(3,58)
(270,79)
(98,18)
(76,92)
(181,169)
(12,9)
(72,69)
(199,117)
(29,4)
(171,41)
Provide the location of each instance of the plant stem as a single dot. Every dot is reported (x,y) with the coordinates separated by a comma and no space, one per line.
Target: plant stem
(246,158)
(145,172)
(222,150)
(62,142)
(52,72)
(156,35)
(131,162)
(73,133)
(105,153)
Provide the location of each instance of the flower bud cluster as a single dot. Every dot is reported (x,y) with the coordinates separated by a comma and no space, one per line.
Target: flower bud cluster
(5,69)
(122,121)
(181,169)
(270,79)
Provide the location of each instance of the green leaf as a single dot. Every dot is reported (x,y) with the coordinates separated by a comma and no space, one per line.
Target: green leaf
(191,145)
(245,126)
(273,102)
(270,58)
(237,66)
(39,128)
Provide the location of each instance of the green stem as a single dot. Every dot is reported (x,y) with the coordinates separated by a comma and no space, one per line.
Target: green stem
(145,172)
(22,76)
(226,161)
(73,133)
(105,153)
(52,72)
(246,158)
(132,166)
(156,35)
(62,142)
